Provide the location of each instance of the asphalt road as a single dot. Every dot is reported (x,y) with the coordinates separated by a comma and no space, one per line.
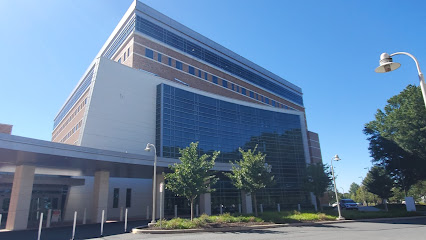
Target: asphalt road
(412,229)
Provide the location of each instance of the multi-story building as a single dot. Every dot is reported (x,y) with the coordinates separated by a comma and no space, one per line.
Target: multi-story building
(157,81)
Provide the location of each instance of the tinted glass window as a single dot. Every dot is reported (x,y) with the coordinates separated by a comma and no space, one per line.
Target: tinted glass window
(148,53)
(178,65)
(191,70)
(224,83)
(116,197)
(159,56)
(214,79)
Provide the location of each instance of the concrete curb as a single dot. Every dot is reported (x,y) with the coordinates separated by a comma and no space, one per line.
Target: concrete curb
(145,230)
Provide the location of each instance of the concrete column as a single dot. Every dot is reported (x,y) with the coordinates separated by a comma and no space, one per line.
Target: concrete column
(206,203)
(100,195)
(246,202)
(160,179)
(20,198)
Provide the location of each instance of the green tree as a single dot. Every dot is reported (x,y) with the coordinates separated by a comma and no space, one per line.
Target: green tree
(192,176)
(418,191)
(251,173)
(378,182)
(352,190)
(398,135)
(318,180)
(398,195)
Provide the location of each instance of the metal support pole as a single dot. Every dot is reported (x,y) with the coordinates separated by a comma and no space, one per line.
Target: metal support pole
(239,208)
(102,223)
(39,226)
(197,213)
(121,214)
(279,207)
(221,209)
(175,211)
(261,208)
(125,220)
(73,226)
(335,190)
(1,215)
(298,207)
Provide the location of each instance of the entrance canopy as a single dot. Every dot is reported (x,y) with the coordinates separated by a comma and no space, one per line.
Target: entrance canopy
(62,159)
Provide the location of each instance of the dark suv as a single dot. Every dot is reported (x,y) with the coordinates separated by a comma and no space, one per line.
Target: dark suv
(348,204)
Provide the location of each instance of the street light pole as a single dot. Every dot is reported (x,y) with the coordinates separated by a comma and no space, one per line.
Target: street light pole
(387,65)
(336,158)
(154,180)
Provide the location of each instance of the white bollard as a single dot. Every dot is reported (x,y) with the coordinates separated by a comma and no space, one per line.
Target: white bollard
(175,211)
(125,220)
(49,216)
(73,226)
(239,208)
(221,209)
(84,216)
(279,207)
(102,223)
(261,208)
(39,226)
(121,214)
(147,212)
(196,210)
(298,207)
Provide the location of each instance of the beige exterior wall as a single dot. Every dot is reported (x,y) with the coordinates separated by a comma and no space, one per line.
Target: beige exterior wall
(6,128)
(71,119)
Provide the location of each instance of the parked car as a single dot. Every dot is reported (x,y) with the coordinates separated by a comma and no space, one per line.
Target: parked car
(348,204)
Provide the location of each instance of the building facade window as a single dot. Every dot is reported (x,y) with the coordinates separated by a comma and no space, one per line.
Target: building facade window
(224,83)
(214,79)
(179,65)
(149,53)
(159,56)
(243,91)
(124,59)
(184,117)
(128,197)
(191,70)
(115,197)
(170,62)
(251,94)
(199,73)
(206,76)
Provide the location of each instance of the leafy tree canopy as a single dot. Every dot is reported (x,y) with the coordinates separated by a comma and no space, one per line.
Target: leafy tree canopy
(251,173)
(191,177)
(378,182)
(398,137)
(318,180)
(353,188)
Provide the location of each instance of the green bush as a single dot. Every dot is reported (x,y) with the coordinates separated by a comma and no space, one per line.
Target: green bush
(204,220)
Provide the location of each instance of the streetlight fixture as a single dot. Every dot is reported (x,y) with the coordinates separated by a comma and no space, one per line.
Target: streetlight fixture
(336,158)
(387,65)
(148,148)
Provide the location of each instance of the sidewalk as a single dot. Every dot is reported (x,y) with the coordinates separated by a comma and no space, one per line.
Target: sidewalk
(65,233)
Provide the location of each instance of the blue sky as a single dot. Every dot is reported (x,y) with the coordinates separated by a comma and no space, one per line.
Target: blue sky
(328,48)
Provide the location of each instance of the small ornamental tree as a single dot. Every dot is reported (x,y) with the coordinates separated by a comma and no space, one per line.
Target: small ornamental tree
(379,182)
(191,177)
(251,173)
(318,180)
